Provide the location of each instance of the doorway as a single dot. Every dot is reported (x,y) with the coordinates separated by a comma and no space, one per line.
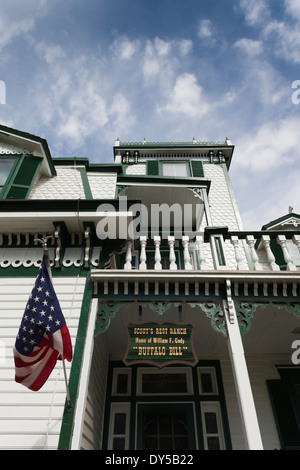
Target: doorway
(166,427)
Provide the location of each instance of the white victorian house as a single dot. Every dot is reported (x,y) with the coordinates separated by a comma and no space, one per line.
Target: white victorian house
(185,328)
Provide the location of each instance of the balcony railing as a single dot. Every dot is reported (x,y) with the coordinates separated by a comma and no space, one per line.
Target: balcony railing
(217,249)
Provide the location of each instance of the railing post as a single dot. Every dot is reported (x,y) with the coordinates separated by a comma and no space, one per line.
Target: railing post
(199,244)
(296,240)
(172,257)
(128,258)
(143,256)
(271,258)
(251,242)
(286,254)
(157,257)
(240,264)
(186,254)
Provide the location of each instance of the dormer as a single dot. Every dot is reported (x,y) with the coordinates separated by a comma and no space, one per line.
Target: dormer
(24,158)
(290,221)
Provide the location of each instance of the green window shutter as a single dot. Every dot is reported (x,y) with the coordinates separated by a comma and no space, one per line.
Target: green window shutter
(197,169)
(284,415)
(24,177)
(153,168)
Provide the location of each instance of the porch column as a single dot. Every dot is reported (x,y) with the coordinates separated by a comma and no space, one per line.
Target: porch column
(242,382)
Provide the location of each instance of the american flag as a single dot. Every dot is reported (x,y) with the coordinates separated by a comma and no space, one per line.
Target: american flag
(43,336)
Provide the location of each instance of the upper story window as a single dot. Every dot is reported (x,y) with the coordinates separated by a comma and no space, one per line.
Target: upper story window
(17,175)
(192,168)
(175,169)
(6,165)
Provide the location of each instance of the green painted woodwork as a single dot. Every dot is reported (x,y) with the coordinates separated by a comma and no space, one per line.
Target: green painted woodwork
(22,177)
(105,312)
(244,313)
(197,169)
(86,184)
(215,313)
(68,416)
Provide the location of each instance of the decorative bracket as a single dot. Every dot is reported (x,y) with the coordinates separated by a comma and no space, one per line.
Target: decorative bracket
(105,312)
(197,193)
(244,313)
(215,313)
(159,307)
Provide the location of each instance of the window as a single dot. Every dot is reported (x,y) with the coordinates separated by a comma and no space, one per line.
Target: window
(119,426)
(17,175)
(207,381)
(285,400)
(178,169)
(6,165)
(169,381)
(175,169)
(212,426)
(121,382)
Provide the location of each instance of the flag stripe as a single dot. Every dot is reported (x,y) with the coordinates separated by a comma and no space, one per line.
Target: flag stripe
(43,335)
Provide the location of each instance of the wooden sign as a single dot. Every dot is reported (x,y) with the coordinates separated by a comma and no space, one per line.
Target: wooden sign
(160,344)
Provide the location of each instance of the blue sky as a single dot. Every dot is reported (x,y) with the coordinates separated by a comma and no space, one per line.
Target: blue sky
(82,73)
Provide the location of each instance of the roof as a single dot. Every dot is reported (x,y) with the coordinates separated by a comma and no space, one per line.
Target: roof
(291,219)
(32,143)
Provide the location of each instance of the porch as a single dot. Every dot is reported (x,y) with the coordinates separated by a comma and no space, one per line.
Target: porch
(268,325)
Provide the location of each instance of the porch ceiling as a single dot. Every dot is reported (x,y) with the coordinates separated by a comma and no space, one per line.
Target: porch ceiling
(271,330)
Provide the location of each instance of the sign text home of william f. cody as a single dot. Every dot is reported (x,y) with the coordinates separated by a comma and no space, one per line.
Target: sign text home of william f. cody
(160,344)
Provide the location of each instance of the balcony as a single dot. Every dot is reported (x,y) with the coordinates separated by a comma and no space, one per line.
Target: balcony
(217,249)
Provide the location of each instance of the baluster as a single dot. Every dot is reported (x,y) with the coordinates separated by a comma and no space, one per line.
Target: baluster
(271,259)
(172,257)
(199,244)
(238,256)
(296,240)
(157,257)
(286,254)
(186,254)
(251,242)
(143,256)
(127,265)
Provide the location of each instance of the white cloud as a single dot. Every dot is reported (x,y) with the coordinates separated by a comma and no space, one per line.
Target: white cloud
(293,8)
(10,29)
(185,47)
(121,116)
(186,97)
(274,144)
(49,52)
(162,47)
(256,11)
(286,39)
(250,46)
(205,29)
(123,48)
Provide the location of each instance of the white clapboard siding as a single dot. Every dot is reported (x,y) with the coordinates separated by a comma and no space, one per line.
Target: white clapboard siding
(32,420)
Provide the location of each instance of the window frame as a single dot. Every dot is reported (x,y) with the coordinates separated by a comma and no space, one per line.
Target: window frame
(27,164)
(212,407)
(190,167)
(5,187)
(115,409)
(166,370)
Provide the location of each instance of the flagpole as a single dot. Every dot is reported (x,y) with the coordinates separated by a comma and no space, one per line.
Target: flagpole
(43,241)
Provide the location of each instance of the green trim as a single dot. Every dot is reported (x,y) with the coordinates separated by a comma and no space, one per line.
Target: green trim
(9,179)
(165,180)
(86,184)
(195,398)
(22,177)
(21,271)
(59,205)
(26,135)
(68,417)
(90,167)
(219,250)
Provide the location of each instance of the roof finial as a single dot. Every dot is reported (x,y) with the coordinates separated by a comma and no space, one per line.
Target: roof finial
(290,209)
